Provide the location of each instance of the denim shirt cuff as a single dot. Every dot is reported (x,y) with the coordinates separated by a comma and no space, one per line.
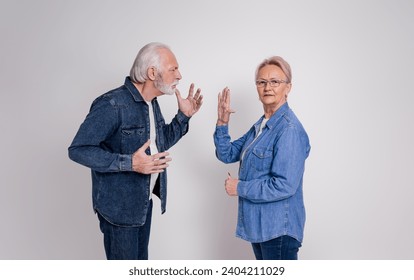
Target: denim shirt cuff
(125,162)
(182,118)
(240,189)
(222,129)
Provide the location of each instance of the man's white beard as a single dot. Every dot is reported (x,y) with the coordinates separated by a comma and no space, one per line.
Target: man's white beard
(165,88)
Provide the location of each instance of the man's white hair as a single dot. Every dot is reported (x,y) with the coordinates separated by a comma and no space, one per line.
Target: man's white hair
(147,57)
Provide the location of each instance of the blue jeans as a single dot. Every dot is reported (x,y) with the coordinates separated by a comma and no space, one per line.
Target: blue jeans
(126,243)
(281,248)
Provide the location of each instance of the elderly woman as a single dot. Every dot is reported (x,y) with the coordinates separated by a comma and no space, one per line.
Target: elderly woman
(272,158)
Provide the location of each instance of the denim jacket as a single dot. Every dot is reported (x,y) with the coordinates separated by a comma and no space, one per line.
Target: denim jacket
(117,125)
(270,176)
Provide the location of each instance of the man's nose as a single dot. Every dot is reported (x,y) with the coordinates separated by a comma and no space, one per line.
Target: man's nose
(178,76)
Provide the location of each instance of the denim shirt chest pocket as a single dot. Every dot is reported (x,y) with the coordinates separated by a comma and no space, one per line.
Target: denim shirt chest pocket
(132,138)
(262,158)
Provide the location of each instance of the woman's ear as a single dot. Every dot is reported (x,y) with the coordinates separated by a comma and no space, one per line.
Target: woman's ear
(289,87)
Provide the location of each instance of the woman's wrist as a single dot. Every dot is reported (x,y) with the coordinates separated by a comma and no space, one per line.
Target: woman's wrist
(220,122)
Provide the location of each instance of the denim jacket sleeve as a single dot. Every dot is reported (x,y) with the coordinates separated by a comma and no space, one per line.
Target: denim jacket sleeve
(226,151)
(175,130)
(88,146)
(286,171)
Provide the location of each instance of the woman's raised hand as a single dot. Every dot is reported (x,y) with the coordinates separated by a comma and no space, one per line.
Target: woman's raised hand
(223,108)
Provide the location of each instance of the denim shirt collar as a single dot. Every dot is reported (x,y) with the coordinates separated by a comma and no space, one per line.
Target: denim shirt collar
(274,119)
(133,90)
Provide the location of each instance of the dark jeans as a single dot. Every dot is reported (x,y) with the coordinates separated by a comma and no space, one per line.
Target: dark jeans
(281,248)
(126,243)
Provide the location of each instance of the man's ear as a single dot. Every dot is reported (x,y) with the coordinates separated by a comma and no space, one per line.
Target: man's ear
(152,73)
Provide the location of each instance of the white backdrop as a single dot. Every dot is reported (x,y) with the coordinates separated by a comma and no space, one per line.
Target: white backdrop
(352,89)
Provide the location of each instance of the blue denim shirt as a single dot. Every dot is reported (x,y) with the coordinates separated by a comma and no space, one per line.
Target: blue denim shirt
(270,176)
(117,125)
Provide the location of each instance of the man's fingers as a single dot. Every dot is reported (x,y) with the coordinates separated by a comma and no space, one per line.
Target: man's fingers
(158,167)
(191,90)
(160,155)
(150,164)
(156,171)
(161,162)
(197,95)
(157,164)
(161,166)
(199,102)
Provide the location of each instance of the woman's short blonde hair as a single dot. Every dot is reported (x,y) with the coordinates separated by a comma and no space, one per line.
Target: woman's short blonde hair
(279,62)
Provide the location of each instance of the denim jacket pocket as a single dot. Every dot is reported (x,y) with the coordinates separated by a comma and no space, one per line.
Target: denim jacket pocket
(132,138)
(262,158)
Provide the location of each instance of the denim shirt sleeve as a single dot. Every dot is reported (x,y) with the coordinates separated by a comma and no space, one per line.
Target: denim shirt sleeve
(87,147)
(175,130)
(286,173)
(226,151)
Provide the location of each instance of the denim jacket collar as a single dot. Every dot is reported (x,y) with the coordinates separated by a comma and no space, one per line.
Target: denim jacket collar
(133,90)
(274,119)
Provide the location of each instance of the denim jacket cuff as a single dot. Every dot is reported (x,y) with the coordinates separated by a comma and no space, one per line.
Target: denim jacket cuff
(222,130)
(125,162)
(182,118)
(240,189)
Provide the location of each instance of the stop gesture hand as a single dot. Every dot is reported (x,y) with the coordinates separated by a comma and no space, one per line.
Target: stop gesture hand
(223,108)
(192,103)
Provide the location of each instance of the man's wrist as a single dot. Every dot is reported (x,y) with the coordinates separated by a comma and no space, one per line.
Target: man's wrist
(182,117)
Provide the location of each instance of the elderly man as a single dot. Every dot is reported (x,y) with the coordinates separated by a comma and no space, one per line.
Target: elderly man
(124,141)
